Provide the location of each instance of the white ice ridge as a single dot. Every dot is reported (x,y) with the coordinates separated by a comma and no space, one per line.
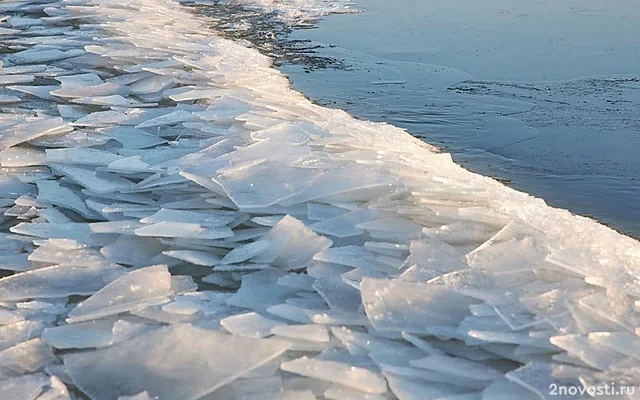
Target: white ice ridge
(177,223)
(290,12)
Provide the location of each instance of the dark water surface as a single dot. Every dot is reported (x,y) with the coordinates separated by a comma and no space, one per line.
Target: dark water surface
(545,97)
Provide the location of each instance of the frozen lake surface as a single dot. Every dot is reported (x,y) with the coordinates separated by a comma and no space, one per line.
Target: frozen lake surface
(567,74)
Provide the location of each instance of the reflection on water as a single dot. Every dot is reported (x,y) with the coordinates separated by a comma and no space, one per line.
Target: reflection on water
(573,143)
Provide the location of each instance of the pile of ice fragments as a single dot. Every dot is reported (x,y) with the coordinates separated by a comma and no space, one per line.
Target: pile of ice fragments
(177,223)
(289,12)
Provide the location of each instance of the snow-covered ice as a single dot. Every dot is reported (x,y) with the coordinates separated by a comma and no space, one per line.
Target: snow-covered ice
(177,223)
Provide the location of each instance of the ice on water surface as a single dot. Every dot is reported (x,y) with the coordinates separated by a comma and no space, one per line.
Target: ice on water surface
(333,371)
(24,387)
(142,286)
(312,333)
(91,334)
(177,223)
(292,244)
(57,281)
(251,325)
(175,362)
(412,307)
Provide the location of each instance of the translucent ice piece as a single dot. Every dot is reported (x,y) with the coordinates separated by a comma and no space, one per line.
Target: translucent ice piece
(470,282)
(612,306)
(519,338)
(387,248)
(55,390)
(13,135)
(260,291)
(53,193)
(515,244)
(81,156)
(58,281)
(171,118)
(79,80)
(131,165)
(292,244)
(537,377)
(25,358)
(221,279)
(124,227)
(42,92)
(152,84)
(297,281)
(411,388)
(92,334)
(458,367)
(140,396)
(364,344)
(7,99)
(284,395)
(267,221)
(204,258)
(15,262)
(360,182)
(622,342)
(245,252)
(320,212)
(18,332)
(213,219)
(248,267)
(50,253)
(95,89)
(393,225)
(114,100)
(351,256)
(174,362)
(196,94)
(340,392)
(74,231)
(354,377)
(411,307)
(183,230)
(344,225)
(102,118)
(627,378)
(13,79)
(290,312)
(312,333)
(502,389)
(434,254)
(27,387)
(338,295)
(144,286)
(251,325)
(265,184)
(21,157)
(132,138)
(182,306)
(100,182)
(132,250)
(168,229)
(591,353)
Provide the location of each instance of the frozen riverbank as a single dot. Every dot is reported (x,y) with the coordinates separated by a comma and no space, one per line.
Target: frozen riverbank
(177,220)
(571,90)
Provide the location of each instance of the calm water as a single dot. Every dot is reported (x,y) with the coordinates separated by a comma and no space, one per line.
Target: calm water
(544,96)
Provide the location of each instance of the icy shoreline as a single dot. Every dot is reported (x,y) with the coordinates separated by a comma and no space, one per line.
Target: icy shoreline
(312,255)
(571,142)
